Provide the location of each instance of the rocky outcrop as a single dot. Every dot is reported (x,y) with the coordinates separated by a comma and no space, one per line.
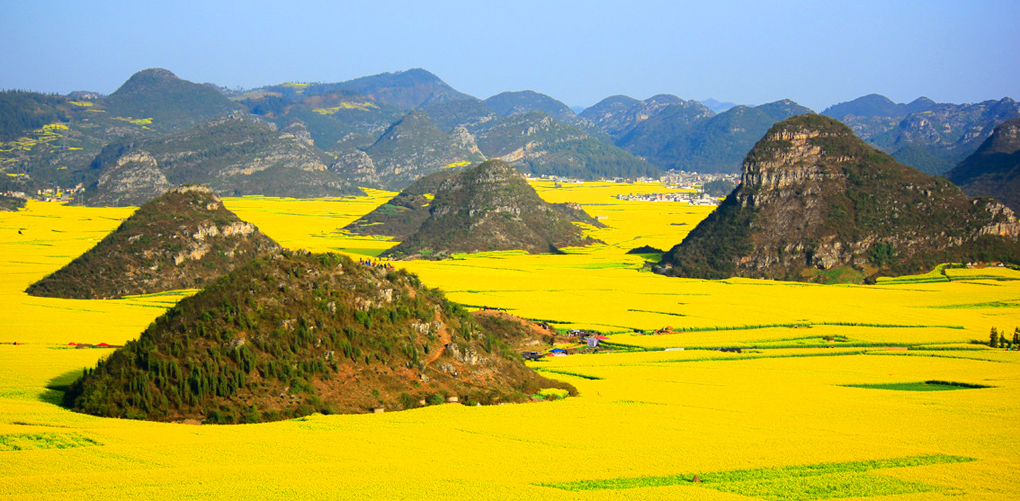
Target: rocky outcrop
(132,180)
(183,239)
(816,202)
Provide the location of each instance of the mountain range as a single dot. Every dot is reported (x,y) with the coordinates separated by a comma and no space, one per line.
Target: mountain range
(387,130)
(933,137)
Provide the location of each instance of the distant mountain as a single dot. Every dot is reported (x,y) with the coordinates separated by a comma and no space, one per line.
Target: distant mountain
(232,156)
(151,103)
(329,115)
(717,106)
(409,149)
(656,125)
(297,333)
(932,137)
(404,89)
(183,239)
(510,103)
(672,133)
(818,204)
(994,169)
(619,115)
(536,143)
(876,105)
(167,103)
(608,112)
(486,208)
(719,143)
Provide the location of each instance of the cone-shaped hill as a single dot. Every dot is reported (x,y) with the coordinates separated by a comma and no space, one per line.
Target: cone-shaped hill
(294,333)
(182,239)
(818,204)
(485,208)
(994,169)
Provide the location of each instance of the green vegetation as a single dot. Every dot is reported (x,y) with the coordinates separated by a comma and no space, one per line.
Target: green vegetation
(23,111)
(486,208)
(932,385)
(172,103)
(183,239)
(296,333)
(36,441)
(818,481)
(11,204)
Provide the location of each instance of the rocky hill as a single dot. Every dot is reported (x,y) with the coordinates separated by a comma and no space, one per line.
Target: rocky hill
(994,169)
(295,333)
(184,239)
(818,204)
(233,156)
(486,208)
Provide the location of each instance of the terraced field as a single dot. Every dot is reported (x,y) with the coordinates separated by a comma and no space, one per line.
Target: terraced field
(822,401)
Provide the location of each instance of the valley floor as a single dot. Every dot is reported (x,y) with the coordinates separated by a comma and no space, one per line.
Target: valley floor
(822,401)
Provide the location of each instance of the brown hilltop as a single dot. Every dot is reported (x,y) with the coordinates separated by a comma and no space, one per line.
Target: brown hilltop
(818,204)
(182,239)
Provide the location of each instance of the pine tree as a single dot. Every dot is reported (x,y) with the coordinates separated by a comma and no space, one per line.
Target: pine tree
(993,339)
(1016,337)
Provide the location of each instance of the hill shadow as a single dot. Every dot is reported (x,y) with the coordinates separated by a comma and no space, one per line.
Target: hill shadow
(56,387)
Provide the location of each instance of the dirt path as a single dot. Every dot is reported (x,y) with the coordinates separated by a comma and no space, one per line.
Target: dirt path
(444,339)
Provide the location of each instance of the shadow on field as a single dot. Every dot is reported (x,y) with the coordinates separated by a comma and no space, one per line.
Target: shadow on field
(56,387)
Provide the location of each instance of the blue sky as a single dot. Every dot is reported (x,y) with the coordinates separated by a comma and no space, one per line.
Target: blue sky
(815,52)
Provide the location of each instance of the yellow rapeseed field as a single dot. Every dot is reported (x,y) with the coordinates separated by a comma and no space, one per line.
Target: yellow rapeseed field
(778,420)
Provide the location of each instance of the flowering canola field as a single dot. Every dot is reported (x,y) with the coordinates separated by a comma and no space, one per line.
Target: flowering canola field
(780,420)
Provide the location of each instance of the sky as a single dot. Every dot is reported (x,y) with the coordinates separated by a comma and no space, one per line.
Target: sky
(817,53)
